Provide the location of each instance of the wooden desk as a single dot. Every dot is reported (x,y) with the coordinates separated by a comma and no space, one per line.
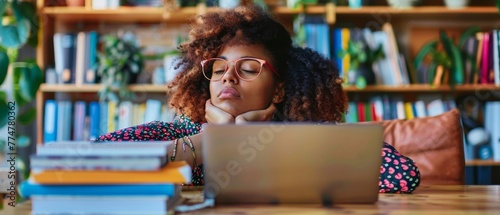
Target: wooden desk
(440,200)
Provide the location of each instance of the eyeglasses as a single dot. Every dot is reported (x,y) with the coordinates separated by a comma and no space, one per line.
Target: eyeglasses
(246,68)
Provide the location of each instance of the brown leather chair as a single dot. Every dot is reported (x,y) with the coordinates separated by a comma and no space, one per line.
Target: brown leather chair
(434,143)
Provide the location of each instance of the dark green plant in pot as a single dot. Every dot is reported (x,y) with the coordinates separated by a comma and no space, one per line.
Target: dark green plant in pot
(450,57)
(119,64)
(362,58)
(19,80)
(19,26)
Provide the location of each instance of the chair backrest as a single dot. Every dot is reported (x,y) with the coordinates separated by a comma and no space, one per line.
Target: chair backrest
(434,143)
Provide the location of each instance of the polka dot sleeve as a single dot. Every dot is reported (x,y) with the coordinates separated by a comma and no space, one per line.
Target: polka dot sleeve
(398,174)
(154,131)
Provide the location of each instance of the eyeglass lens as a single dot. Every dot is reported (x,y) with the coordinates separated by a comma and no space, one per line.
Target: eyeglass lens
(245,68)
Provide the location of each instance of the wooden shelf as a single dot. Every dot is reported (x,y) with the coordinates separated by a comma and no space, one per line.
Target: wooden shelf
(344,10)
(396,89)
(70,88)
(155,14)
(482,163)
(423,88)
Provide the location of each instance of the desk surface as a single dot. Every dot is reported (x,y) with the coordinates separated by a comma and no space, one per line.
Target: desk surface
(449,199)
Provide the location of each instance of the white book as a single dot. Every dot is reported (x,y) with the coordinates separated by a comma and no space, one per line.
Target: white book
(495,130)
(85,148)
(420,109)
(58,57)
(51,204)
(125,114)
(435,107)
(393,52)
(153,110)
(379,107)
(140,163)
(400,107)
(80,58)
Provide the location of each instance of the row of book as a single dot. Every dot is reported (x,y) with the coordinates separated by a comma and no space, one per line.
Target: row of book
(75,56)
(480,54)
(80,120)
(384,107)
(390,70)
(481,58)
(90,178)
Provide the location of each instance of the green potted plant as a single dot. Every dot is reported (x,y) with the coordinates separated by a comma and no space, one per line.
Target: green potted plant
(19,80)
(118,65)
(362,58)
(445,55)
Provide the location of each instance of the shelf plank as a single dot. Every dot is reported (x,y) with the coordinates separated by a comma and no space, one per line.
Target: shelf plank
(392,89)
(423,88)
(482,163)
(155,14)
(94,88)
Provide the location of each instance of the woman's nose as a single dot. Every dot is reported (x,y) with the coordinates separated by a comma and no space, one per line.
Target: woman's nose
(230,74)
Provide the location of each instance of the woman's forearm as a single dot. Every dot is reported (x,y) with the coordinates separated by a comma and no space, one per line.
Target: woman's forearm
(187,155)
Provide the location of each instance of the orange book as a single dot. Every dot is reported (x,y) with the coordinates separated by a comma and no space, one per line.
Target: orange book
(174,172)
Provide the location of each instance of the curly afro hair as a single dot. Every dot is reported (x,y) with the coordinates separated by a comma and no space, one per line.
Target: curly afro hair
(312,89)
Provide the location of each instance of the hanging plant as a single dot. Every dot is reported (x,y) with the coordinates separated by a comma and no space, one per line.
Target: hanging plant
(119,64)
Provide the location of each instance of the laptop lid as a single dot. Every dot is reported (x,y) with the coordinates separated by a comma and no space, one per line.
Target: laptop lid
(292,163)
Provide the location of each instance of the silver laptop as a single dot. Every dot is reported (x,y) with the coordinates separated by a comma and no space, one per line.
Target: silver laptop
(292,163)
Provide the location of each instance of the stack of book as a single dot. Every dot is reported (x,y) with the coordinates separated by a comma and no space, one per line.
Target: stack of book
(104,178)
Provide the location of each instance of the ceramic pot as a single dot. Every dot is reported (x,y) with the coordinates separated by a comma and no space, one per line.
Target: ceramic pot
(402,3)
(455,4)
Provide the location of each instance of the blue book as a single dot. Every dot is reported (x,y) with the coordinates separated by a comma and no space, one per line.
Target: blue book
(27,189)
(95,120)
(50,121)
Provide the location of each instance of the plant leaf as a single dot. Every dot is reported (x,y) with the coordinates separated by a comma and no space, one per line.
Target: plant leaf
(424,51)
(470,32)
(455,58)
(27,117)
(498,5)
(34,78)
(16,75)
(3,6)
(4,66)
(4,111)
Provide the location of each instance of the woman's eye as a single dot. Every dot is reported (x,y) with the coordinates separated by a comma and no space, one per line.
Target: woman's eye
(218,72)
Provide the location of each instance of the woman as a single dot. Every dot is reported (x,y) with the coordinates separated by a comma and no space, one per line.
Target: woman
(239,66)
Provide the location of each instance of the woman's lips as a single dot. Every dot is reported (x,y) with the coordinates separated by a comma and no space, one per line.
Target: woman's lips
(228,93)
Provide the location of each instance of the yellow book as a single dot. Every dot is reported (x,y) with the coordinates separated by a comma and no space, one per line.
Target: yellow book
(409,110)
(174,172)
(111,116)
(346,61)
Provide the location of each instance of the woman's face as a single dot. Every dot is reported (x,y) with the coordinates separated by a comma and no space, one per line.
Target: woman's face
(237,96)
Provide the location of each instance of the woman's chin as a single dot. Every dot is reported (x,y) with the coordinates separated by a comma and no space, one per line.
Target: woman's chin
(231,108)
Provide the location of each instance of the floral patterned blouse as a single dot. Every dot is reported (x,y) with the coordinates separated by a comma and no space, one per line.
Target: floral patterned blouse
(398,174)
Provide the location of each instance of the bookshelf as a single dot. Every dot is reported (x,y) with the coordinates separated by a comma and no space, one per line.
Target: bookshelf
(55,18)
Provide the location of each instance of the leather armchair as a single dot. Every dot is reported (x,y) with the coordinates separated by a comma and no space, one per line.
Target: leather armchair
(434,143)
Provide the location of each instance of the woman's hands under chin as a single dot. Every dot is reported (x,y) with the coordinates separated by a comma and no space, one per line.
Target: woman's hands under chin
(256,115)
(215,115)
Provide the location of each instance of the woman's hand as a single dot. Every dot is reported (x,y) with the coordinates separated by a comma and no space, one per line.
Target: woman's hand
(216,115)
(256,115)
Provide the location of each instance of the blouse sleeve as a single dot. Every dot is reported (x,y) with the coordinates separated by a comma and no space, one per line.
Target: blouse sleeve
(398,174)
(154,131)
